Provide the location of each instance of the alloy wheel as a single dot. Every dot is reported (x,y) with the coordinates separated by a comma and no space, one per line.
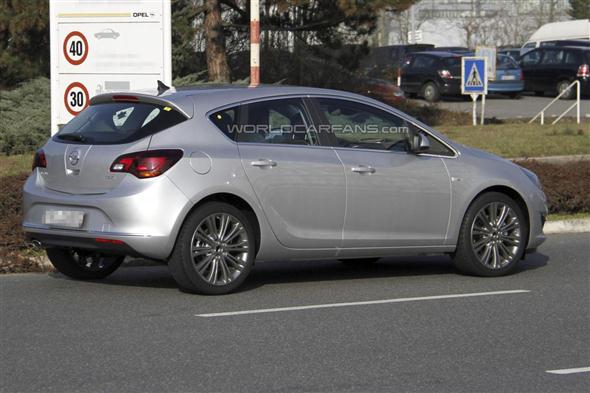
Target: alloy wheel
(220,248)
(496,235)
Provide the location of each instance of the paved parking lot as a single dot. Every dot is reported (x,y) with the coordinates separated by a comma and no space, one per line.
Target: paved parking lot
(136,332)
(525,107)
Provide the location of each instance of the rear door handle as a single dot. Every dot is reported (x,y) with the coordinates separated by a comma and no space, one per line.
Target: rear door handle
(363,169)
(263,162)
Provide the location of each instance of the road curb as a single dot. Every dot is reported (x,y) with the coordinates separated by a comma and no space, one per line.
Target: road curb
(567,226)
(555,159)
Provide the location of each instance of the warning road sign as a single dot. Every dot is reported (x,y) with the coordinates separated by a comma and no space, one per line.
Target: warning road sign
(473,75)
(76,98)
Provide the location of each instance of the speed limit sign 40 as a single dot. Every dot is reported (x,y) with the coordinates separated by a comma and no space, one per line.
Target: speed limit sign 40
(76,98)
(75,48)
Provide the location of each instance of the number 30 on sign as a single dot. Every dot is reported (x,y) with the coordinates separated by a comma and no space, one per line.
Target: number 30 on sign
(76,98)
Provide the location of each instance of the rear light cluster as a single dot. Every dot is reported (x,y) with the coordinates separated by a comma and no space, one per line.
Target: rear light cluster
(445,74)
(39,161)
(583,71)
(147,164)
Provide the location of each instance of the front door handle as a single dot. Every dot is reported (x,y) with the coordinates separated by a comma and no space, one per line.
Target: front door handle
(263,162)
(363,169)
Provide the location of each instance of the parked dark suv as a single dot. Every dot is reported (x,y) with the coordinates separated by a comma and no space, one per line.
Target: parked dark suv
(553,69)
(432,74)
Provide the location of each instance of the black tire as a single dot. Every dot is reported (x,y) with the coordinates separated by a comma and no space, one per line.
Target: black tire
(184,269)
(359,261)
(539,93)
(514,96)
(466,259)
(83,264)
(562,85)
(430,92)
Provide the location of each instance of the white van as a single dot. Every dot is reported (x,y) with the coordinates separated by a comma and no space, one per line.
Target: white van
(570,30)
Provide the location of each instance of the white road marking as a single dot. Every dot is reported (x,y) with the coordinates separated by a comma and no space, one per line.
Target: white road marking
(570,370)
(363,303)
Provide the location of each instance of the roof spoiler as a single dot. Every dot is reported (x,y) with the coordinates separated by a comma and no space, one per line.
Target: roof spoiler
(185,109)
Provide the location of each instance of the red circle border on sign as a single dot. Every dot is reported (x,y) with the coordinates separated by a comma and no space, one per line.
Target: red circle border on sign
(65,48)
(84,90)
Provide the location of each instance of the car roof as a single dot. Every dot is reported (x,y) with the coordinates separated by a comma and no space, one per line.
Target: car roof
(437,53)
(207,97)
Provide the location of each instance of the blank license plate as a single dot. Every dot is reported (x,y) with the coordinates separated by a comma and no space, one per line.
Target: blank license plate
(64,218)
(508,77)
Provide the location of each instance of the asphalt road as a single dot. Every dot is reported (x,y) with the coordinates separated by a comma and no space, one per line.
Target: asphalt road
(525,107)
(136,332)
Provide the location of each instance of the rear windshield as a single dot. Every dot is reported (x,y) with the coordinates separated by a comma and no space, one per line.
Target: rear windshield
(504,62)
(118,122)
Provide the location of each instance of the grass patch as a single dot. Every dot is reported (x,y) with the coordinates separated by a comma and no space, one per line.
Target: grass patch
(564,216)
(15,165)
(524,140)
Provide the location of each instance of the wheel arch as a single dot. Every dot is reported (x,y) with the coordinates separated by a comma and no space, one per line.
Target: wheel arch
(511,193)
(231,199)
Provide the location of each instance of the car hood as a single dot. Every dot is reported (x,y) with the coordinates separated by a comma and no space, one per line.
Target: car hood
(477,153)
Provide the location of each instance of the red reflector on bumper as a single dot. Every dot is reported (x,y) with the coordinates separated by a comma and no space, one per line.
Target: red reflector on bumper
(109,241)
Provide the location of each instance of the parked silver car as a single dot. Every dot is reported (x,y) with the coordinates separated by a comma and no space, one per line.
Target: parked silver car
(210,180)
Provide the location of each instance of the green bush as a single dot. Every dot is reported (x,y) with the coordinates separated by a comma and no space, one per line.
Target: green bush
(25,117)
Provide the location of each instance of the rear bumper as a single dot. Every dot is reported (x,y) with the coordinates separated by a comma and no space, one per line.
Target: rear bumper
(139,217)
(506,86)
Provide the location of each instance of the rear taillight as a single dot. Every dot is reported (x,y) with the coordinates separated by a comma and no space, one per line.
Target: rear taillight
(583,71)
(445,74)
(521,75)
(39,161)
(147,164)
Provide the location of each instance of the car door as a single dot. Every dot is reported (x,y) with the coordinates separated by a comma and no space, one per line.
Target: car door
(529,64)
(299,184)
(550,68)
(394,198)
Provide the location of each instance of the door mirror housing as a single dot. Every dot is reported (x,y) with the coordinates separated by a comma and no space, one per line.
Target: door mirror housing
(419,143)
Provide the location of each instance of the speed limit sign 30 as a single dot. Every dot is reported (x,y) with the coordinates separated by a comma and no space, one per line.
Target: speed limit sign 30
(76,98)
(75,48)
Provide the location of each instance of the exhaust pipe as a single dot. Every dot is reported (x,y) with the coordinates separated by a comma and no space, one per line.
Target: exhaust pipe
(36,244)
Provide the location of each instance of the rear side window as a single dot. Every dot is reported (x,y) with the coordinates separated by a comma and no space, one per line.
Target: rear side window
(118,122)
(227,121)
(423,62)
(552,56)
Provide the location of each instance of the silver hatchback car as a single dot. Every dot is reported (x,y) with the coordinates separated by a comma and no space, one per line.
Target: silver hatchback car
(210,180)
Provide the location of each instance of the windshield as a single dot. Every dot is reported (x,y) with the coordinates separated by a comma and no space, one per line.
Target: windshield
(118,122)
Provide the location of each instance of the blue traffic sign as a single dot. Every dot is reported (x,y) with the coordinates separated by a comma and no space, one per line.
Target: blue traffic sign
(473,75)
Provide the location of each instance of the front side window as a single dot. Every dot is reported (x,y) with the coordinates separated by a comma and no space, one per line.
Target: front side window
(283,121)
(118,122)
(361,126)
(357,125)
(531,58)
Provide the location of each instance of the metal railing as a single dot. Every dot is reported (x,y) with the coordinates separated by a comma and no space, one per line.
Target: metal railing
(566,90)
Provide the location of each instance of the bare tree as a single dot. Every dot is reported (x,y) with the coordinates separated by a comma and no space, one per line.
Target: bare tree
(217,62)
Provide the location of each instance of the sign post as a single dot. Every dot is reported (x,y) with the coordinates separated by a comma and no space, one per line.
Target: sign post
(474,81)
(106,46)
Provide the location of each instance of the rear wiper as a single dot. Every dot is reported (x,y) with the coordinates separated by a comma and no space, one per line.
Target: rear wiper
(73,137)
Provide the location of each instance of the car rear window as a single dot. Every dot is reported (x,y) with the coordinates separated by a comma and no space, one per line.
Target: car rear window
(505,62)
(453,64)
(118,122)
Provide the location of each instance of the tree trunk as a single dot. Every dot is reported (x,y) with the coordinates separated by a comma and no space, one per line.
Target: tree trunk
(217,63)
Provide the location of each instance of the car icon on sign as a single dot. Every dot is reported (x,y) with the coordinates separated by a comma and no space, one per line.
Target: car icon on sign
(107,33)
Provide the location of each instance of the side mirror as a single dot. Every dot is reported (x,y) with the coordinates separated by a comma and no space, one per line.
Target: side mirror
(420,143)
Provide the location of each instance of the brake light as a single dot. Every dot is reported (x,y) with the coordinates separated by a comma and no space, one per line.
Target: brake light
(521,74)
(147,164)
(39,161)
(109,241)
(445,74)
(123,97)
(583,71)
